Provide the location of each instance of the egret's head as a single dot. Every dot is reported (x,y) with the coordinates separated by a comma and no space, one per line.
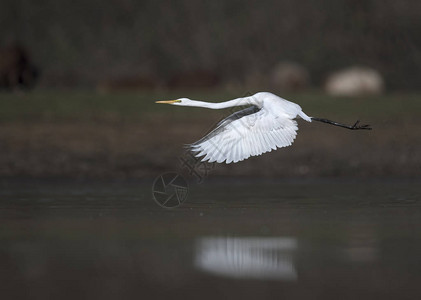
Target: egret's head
(180,101)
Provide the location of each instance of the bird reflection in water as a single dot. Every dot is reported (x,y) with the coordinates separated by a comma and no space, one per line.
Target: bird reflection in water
(247,257)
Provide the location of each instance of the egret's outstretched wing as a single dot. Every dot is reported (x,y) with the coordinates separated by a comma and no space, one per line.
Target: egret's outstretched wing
(249,132)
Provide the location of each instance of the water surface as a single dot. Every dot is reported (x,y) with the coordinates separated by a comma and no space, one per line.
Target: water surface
(243,239)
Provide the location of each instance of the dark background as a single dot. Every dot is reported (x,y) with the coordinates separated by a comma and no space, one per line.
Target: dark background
(80,43)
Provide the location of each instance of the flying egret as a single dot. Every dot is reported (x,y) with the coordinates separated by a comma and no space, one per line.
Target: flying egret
(265,125)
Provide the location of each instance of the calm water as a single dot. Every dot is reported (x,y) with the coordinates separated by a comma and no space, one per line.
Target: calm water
(240,239)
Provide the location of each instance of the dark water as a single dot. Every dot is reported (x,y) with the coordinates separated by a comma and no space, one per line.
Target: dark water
(327,239)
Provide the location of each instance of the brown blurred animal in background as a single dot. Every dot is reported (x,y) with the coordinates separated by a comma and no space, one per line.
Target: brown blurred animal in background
(16,68)
(290,77)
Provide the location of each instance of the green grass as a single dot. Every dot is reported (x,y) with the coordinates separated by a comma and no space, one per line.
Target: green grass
(384,107)
(80,105)
(54,105)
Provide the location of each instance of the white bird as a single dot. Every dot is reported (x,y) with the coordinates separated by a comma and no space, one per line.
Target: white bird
(265,125)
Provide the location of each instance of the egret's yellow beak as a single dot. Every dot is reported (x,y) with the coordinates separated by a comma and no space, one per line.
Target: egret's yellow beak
(168,101)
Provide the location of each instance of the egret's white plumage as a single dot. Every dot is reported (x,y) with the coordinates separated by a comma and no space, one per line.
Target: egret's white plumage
(265,125)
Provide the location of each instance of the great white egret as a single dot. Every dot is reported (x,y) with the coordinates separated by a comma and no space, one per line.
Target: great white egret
(265,125)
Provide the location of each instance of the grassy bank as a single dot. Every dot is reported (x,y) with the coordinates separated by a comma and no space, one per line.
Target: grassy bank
(86,105)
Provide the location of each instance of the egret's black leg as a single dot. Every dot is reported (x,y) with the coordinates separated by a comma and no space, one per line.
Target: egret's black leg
(353,127)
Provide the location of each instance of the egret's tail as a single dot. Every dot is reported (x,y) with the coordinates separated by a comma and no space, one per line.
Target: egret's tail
(304,116)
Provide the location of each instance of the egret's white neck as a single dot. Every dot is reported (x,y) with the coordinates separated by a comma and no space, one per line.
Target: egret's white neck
(220,105)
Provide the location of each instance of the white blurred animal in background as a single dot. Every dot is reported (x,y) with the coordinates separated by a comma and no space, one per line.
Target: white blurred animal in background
(355,81)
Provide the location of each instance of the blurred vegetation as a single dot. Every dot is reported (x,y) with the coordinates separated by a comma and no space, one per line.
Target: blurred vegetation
(78,43)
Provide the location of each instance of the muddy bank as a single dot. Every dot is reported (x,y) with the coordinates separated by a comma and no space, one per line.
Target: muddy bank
(143,149)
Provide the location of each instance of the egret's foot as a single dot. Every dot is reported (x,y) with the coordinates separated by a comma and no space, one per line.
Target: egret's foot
(356,127)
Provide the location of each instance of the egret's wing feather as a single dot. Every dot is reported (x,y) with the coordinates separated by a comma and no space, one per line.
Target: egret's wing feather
(249,132)
(220,127)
